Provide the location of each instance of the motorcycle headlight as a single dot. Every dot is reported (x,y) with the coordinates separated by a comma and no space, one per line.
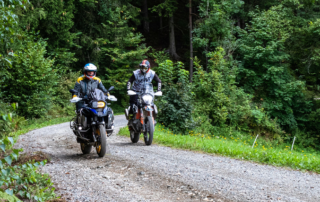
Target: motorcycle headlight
(147,99)
(101,104)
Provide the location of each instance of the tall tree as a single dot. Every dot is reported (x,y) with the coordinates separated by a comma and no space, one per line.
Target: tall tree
(146,17)
(172,43)
(216,26)
(169,7)
(190,35)
(264,71)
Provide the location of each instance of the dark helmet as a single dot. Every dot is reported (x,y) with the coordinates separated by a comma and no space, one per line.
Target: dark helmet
(144,66)
(90,68)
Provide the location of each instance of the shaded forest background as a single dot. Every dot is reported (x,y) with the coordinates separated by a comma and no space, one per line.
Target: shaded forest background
(245,65)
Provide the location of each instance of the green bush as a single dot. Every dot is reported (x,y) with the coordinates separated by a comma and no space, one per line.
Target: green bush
(19,179)
(32,79)
(9,120)
(264,71)
(176,104)
(219,102)
(61,95)
(216,93)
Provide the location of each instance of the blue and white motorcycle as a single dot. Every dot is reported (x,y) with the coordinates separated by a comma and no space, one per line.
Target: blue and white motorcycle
(94,121)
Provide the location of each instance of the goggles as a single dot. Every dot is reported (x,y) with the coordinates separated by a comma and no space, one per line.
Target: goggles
(144,67)
(90,72)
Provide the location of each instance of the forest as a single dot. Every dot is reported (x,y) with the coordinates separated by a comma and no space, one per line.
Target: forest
(246,65)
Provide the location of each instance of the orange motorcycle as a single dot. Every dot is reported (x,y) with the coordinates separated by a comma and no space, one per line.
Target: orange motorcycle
(144,113)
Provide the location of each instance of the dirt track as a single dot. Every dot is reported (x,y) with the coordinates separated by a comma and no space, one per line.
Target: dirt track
(135,172)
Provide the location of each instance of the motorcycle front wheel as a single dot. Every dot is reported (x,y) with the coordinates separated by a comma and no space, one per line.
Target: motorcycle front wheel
(86,149)
(101,148)
(148,136)
(134,137)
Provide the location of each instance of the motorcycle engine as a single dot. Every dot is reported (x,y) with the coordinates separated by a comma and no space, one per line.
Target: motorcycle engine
(83,121)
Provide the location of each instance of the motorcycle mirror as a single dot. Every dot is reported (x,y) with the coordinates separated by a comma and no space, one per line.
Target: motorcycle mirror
(131,92)
(73,91)
(159,93)
(111,88)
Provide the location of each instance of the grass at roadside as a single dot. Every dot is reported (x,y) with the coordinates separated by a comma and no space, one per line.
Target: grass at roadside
(117,108)
(237,148)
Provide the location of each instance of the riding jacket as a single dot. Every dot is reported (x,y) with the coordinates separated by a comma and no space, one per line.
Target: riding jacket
(138,79)
(85,86)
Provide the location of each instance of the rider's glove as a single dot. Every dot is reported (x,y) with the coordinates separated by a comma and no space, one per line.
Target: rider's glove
(128,85)
(159,87)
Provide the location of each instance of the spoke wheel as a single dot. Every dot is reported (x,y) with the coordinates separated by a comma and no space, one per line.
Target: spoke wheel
(148,136)
(101,148)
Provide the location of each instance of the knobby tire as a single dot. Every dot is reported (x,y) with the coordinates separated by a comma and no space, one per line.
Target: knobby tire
(103,141)
(148,139)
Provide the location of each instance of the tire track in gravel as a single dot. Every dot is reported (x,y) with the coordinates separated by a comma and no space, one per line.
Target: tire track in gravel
(135,172)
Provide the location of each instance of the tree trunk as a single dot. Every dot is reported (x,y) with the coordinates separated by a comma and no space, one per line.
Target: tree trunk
(161,24)
(206,59)
(145,16)
(172,45)
(191,47)
(238,22)
(206,69)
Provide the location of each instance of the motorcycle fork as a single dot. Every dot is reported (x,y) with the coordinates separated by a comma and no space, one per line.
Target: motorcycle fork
(139,115)
(151,114)
(147,114)
(94,136)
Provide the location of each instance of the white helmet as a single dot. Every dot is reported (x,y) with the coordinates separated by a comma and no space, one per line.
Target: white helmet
(90,68)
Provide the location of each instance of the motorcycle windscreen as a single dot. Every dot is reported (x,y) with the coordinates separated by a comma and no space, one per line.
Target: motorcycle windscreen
(97,95)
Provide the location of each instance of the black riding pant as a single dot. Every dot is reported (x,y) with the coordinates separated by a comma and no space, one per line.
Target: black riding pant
(133,101)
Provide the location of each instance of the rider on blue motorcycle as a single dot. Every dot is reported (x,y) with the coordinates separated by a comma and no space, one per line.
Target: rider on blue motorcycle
(87,84)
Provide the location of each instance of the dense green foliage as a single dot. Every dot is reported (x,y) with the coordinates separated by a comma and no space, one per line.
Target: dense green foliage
(256,69)
(19,179)
(176,104)
(256,63)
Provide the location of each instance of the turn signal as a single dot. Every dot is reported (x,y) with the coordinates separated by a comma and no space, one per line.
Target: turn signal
(101,104)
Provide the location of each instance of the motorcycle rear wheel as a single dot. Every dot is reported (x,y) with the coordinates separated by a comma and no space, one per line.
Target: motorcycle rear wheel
(150,129)
(101,148)
(86,149)
(134,137)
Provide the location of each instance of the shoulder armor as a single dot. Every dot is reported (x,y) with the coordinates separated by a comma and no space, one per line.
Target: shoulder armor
(151,71)
(137,71)
(80,79)
(96,78)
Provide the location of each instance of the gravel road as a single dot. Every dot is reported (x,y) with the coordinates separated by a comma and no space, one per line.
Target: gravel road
(135,172)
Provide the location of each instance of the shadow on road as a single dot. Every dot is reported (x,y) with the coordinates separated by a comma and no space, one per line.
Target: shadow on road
(127,144)
(79,156)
